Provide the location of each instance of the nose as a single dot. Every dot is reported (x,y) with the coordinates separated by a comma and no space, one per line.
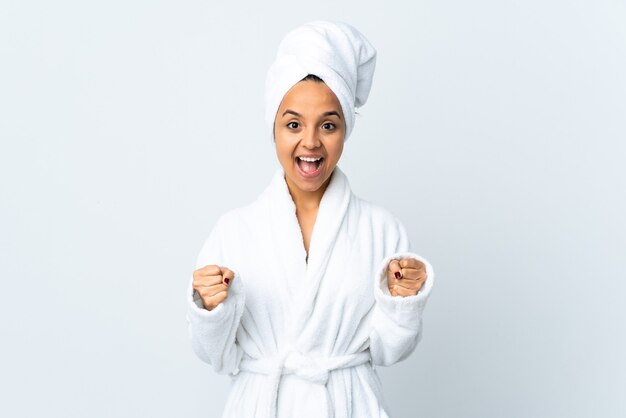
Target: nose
(310,138)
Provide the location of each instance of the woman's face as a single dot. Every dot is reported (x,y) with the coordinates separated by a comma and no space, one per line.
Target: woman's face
(309,122)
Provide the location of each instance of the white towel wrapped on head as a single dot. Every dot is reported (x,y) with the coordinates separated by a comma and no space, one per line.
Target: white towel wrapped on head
(335,52)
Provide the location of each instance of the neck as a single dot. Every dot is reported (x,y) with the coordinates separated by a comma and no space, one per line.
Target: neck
(307,200)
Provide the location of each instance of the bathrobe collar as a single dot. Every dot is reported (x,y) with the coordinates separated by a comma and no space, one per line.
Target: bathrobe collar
(298,296)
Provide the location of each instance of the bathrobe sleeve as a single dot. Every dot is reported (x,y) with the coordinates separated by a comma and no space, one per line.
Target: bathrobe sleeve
(213,333)
(397,320)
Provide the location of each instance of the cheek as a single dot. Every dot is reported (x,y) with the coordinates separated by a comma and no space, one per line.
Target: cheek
(283,149)
(336,148)
(282,134)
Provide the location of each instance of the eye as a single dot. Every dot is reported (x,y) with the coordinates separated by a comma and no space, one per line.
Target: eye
(329,126)
(293,125)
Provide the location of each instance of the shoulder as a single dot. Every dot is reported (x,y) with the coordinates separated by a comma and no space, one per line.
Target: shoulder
(245,217)
(384,227)
(230,218)
(376,214)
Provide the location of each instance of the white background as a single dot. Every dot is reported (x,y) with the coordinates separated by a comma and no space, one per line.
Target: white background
(494,130)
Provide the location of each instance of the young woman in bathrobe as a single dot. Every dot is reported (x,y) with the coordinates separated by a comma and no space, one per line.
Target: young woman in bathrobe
(299,295)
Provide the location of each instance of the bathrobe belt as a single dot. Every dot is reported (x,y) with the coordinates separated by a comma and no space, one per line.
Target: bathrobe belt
(313,369)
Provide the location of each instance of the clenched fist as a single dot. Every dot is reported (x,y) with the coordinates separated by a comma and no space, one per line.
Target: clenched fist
(405,276)
(212,282)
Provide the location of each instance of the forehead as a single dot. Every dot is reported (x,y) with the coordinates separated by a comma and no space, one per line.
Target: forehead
(310,94)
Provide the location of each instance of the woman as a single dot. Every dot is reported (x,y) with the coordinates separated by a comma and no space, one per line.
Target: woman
(300,294)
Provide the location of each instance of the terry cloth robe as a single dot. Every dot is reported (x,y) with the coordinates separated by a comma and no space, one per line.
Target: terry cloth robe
(302,339)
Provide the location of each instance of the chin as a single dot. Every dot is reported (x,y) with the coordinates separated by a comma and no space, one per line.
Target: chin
(310,187)
(307,186)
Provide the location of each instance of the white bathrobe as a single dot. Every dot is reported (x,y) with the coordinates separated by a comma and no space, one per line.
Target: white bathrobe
(302,339)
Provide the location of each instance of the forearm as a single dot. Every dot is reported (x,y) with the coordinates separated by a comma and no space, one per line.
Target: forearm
(397,320)
(213,333)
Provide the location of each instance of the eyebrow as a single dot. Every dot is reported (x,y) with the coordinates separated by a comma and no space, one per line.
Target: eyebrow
(330,113)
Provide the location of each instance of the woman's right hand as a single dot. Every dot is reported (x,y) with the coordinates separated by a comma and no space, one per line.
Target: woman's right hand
(211,282)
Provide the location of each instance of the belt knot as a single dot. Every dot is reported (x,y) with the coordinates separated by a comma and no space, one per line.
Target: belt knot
(311,368)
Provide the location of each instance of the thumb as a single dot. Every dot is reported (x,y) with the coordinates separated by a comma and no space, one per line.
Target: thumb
(395,269)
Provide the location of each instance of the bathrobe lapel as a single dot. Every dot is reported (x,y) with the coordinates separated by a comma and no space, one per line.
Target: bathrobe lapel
(330,216)
(286,251)
(303,279)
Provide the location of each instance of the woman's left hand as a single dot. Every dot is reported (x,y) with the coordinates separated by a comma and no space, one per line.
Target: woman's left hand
(405,276)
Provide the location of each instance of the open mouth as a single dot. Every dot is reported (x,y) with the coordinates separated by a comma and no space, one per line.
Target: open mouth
(309,167)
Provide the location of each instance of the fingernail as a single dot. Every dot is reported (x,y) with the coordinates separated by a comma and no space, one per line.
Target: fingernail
(397,274)
(226,280)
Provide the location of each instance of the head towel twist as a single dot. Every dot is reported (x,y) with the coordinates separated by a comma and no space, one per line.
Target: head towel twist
(335,52)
